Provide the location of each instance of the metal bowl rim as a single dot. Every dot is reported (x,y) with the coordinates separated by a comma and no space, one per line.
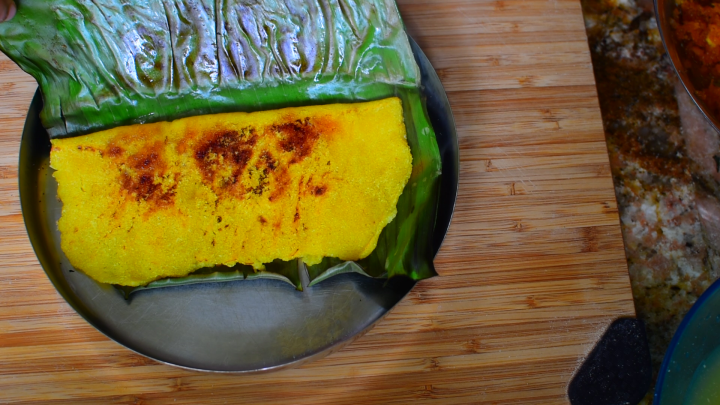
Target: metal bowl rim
(675,62)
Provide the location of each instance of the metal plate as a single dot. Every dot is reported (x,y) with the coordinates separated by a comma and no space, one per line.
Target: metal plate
(241,326)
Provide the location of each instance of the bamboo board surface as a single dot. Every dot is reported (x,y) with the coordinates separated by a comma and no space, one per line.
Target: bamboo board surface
(532,270)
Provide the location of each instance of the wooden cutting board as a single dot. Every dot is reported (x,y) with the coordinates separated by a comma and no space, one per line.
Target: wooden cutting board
(531,273)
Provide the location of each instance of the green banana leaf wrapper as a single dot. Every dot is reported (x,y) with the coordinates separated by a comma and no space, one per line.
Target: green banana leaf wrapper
(107,63)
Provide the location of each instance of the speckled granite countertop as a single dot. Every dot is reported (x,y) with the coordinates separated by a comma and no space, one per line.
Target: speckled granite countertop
(665,160)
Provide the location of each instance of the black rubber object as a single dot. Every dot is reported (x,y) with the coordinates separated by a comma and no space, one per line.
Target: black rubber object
(618,370)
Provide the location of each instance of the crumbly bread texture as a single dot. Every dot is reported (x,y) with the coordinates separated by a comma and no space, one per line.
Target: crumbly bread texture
(151,201)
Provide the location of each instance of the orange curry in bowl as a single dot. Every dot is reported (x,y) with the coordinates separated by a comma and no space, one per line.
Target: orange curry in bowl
(697,28)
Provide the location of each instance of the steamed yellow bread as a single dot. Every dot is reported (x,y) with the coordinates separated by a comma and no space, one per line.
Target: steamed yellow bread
(151,201)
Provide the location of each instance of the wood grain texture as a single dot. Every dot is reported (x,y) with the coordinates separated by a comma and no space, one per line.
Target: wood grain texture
(532,271)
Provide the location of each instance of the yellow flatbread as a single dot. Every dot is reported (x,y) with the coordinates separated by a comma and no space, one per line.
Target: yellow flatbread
(151,201)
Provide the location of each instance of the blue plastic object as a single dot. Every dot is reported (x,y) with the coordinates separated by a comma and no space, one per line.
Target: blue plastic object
(695,340)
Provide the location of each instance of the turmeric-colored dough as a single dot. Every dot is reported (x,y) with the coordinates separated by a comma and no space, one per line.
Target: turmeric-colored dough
(151,201)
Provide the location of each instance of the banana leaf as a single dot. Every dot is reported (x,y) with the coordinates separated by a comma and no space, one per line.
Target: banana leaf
(106,63)
(278,270)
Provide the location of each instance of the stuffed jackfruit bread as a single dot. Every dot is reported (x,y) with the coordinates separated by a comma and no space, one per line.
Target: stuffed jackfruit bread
(150,201)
